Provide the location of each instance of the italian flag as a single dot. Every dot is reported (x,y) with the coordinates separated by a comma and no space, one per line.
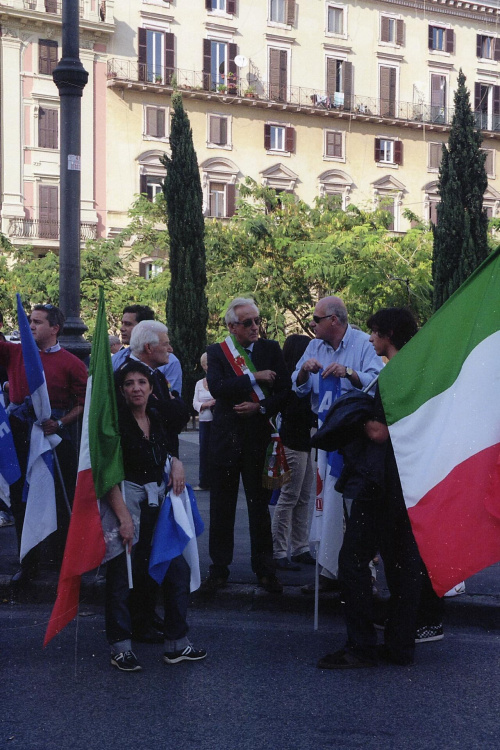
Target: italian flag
(441,396)
(100,467)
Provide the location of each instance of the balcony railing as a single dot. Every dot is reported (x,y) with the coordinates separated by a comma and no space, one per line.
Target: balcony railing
(55,7)
(47,230)
(356,105)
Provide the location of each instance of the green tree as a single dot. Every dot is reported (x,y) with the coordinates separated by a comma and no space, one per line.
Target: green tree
(461,234)
(187,311)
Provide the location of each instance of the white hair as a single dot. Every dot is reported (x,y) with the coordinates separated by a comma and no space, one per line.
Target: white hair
(146,332)
(113,339)
(230,316)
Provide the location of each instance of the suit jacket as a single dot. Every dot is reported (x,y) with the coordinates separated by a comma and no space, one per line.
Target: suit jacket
(231,434)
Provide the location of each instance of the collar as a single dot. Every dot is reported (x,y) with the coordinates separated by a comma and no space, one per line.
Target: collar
(344,341)
(52,349)
(136,359)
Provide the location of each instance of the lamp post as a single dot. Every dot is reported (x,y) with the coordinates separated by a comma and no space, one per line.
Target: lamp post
(70,78)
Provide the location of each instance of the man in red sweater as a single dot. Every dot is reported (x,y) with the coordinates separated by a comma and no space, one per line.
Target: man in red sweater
(66,378)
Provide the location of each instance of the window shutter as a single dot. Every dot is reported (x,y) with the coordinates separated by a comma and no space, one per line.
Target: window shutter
(215,134)
(142,56)
(450,41)
(496,49)
(223,131)
(48,136)
(400,32)
(267,137)
(230,200)
(477,96)
(331,75)
(142,269)
(330,143)
(232,87)
(151,121)
(160,123)
(377,149)
(496,100)
(143,184)
(488,163)
(398,152)
(207,64)
(169,57)
(290,140)
(231,7)
(208,4)
(384,29)
(290,12)
(274,73)
(430,38)
(433,211)
(51,6)
(387,91)
(479,44)
(48,211)
(347,71)
(435,153)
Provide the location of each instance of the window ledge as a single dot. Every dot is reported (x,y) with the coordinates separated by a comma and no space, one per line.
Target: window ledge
(220,14)
(387,165)
(164,139)
(278,25)
(227,147)
(334,158)
(272,152)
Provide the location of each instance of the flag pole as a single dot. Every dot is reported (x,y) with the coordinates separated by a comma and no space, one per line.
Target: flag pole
(63,487)
(127,553)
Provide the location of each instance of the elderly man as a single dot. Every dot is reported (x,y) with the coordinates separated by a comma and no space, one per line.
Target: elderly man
(66,378)
(248,378)
(150,344)
(338,359)
(132,315)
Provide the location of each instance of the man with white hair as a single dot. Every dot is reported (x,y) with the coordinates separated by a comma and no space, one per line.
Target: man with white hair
(248,378)
(150,344)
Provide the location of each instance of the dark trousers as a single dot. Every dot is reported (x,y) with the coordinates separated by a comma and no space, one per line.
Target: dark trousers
(223,497)
(144,595)
(175,589)
(204,436)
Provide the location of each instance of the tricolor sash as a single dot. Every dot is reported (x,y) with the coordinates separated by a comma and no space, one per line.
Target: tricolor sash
(276,472)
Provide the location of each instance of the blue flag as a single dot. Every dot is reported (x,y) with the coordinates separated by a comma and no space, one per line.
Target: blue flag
(9,465)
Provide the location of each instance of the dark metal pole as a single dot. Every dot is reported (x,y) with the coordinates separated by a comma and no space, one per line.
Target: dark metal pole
(70,78)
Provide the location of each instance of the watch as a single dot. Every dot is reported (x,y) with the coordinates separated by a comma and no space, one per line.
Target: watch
(262,409)
(59,425)
(349,372)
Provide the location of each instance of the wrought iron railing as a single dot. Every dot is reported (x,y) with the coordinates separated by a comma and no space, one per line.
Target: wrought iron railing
(193,80)
(55,7)
(47,230)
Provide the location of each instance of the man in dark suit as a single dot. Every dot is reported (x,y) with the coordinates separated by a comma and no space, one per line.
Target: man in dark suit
(248,378)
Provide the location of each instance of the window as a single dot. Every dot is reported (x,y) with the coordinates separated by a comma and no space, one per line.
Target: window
(218,130)
(489,163)
(438,98)
(335,20)
(149,269)
(334,144)
(279,138)
(487,47)
(435,156)
(47,56)
(155,121)
(221,196)
(225,6)
(441,39)
(151,185)
(219,68)
(48,211)
(336,183)
(48,130)
(278,74)
(339,82)
(388,80)
(387,203)
(282,11)
(219,187)
(392,30)
(487,106)
(156,56)
(388,151)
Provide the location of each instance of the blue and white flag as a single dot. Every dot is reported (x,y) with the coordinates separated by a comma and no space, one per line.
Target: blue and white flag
(9,465)
(40,519)
(179,523)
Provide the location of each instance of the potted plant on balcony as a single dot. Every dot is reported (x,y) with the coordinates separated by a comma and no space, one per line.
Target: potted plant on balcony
(221,88)
(249,93)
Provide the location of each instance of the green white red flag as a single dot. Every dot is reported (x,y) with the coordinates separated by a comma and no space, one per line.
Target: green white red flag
(441,396)
(100,468)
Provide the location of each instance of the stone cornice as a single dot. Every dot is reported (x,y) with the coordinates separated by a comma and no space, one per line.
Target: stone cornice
(475,11)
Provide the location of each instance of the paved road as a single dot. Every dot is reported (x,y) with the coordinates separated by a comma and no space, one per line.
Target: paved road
(258,689)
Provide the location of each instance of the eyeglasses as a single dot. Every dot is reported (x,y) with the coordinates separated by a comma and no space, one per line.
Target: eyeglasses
(248,322)
(48,306)
(317,319)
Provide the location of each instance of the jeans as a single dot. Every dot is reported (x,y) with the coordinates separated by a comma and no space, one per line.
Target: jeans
(291,515)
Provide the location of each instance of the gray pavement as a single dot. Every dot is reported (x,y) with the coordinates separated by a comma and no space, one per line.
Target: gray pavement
(480,605)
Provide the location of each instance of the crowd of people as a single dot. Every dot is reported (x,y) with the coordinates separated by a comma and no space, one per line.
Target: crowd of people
(258,409)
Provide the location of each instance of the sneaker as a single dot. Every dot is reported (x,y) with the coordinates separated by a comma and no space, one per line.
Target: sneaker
(305,558)
(126,661)
(211,584)
(456,590)
(187,654)
(428,633)
(271,584)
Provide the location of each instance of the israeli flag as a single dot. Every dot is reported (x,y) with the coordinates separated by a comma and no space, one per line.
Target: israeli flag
(9,465)
(39,491)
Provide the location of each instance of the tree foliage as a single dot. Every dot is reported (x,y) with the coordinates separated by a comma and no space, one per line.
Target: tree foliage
(187,312)
(461,234)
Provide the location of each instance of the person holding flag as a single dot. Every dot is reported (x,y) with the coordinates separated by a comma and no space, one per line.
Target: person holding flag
(46,386)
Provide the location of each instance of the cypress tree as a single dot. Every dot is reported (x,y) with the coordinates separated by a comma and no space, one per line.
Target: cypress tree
(187,309)
(460,236)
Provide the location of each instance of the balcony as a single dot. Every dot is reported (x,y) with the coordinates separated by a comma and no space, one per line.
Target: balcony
(125,74)
(39,229)
(103,12)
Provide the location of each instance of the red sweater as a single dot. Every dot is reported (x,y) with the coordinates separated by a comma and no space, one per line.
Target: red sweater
(65,374)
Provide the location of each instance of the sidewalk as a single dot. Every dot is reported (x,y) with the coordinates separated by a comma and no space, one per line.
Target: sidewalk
(480,605)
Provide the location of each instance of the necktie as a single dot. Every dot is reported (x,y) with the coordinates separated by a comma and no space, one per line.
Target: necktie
(249,352)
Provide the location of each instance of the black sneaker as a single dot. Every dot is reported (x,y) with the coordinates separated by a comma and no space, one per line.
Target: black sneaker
(428,633)
(271,584)
(126,661)
(187,654)
(211,584)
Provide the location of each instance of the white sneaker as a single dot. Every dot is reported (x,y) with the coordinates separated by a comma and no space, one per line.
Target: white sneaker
(456,590)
